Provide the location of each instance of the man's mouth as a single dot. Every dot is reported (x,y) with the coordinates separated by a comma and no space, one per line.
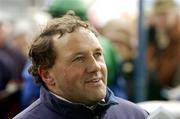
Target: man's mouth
(94,82)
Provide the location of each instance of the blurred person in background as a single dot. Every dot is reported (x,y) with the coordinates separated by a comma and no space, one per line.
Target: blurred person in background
(6,61)
(119,33)
(163,47)
(27,28)
(73,75)
(24,31)
(12,62)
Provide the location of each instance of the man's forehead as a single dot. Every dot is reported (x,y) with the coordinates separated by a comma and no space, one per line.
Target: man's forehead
(82,29)
(81,40)
(80,34)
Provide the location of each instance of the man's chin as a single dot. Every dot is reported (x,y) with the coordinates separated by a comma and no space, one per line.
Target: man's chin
(98,95)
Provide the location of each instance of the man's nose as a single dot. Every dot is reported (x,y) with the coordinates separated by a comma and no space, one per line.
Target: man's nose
(93,65)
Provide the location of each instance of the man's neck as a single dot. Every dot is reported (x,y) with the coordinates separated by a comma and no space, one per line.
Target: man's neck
(61,98)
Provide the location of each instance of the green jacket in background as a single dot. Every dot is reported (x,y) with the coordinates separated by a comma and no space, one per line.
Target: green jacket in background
(112,60)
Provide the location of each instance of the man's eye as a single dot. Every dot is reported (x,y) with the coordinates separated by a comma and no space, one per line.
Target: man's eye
(98,54)
(78,59)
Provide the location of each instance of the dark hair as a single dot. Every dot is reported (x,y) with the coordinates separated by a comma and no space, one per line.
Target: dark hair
(42,51)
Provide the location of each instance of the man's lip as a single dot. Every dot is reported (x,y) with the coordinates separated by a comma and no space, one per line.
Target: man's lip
(93,80)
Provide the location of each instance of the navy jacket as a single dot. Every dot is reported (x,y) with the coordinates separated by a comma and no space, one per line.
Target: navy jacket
(50,107)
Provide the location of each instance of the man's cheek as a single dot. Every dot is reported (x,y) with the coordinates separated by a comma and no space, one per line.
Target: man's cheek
(73,73)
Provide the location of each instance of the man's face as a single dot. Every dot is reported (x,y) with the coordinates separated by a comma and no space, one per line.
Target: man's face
(80,72)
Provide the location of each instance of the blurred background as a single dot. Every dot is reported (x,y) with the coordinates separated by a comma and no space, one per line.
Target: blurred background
(141,40)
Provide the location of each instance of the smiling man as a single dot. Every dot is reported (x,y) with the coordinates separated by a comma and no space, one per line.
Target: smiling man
(79,73)
(67,59)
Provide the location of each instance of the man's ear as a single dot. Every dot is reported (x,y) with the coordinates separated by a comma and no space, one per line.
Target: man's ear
(45,75)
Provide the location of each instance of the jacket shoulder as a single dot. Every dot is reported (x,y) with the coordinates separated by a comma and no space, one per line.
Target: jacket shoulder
(126,110)
(29,111)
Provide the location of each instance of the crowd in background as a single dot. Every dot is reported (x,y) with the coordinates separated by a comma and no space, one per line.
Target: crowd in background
(119,40)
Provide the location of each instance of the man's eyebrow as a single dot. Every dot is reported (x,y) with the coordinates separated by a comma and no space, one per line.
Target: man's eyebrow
(83,52)
(76,54)
(99,49)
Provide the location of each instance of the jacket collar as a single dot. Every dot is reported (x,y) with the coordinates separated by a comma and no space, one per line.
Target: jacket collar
(75,110)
